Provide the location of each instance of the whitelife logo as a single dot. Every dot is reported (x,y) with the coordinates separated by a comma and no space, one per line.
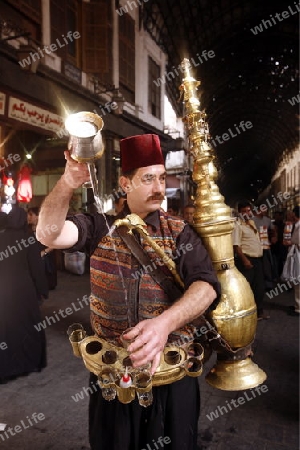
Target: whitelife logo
(294,100)
(48,49)
(279,17)
(49,320)
(11,250)
(131,4)
(9,161)
(183,249)
(280,288)
(243,126)
(24,424)
(205,56)
(248,396)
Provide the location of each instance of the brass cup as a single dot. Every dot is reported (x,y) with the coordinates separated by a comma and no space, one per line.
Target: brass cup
(172,355)
(110,357)
(107,381)
(93,347)
(195,350)
(193,367)
(76,334)
(143,387)
(127,362)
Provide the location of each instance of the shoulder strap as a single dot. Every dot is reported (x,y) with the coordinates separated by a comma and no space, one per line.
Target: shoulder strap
(174,292)
(167,284)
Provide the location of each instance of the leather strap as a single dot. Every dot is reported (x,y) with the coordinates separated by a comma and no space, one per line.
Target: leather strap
(174,292)
(168,285)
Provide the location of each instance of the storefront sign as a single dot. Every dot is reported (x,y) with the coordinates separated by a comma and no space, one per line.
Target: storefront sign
(72,72)
(33,115)
(2,102)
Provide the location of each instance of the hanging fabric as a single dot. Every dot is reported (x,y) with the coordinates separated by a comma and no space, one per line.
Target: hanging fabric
(24,192)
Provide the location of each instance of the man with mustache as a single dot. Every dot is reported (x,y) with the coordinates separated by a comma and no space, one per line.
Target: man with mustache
(119,299)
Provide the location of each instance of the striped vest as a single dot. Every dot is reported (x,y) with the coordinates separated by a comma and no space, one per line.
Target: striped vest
(122,292)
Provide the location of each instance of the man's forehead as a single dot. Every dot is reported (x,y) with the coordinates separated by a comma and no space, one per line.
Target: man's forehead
(155,169)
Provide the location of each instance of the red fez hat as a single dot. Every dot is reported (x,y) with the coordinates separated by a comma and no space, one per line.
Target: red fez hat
(140,151)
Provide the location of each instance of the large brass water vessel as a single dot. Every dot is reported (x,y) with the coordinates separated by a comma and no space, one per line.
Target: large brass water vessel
(235,317)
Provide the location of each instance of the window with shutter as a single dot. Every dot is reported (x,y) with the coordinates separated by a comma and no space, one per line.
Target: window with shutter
(97,39)
(127,56)
(64,18)
(154,91)
(58,20)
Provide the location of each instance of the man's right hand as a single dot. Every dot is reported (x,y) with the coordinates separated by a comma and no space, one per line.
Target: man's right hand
(75,173)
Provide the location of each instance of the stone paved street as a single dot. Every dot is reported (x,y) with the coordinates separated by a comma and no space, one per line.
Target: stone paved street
(264,422)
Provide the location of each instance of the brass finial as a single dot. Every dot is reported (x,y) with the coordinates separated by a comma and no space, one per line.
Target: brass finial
(210,204)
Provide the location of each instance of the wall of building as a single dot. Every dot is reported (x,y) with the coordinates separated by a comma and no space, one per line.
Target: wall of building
(55,86)
(283,193)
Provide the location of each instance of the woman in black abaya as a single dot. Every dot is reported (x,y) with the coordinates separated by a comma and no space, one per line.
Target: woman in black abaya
(22,285)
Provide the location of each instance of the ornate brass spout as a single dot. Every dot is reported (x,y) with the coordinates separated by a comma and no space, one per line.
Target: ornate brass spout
(235,317)
(134,222)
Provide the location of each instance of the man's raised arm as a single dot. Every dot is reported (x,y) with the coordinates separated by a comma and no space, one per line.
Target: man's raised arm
(53,229)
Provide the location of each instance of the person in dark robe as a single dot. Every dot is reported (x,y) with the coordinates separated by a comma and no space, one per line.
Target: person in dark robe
(23,285)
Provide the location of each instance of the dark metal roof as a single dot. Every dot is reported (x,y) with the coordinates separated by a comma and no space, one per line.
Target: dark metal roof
(252,77)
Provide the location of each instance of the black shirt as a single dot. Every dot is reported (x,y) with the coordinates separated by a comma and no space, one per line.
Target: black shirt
(191,258)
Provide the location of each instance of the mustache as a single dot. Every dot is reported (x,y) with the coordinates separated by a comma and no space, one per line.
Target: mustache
(155,197)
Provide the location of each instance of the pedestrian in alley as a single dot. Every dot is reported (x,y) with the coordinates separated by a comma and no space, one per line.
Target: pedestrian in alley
(188,213)
(249,254)
(23,285)
(268,236)
(295,240)
(278,249)
(119,301)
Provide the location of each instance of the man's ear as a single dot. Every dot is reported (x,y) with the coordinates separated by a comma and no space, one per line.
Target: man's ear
(125,184)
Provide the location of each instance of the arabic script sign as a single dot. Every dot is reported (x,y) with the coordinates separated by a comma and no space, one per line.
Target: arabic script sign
(33,115)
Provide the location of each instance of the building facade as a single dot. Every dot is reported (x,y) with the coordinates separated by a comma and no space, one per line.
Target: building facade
(63,56)
(283,193)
